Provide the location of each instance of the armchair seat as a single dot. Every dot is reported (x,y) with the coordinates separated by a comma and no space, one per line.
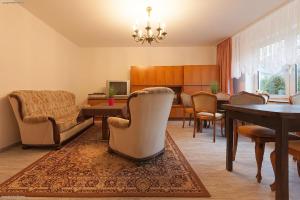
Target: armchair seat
(210,116)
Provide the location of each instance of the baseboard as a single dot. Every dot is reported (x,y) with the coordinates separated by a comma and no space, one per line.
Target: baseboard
(9,146)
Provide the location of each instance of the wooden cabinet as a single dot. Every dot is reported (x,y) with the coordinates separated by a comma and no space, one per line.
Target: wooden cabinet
(201,74)
(189,79)
(156,76)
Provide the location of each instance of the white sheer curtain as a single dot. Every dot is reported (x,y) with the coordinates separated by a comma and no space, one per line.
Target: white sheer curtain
(268,45)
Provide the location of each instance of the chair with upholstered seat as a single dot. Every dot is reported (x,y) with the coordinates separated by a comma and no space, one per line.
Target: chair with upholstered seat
(143,135)
(294,146)
(205,108)
(186,101)
(260,135)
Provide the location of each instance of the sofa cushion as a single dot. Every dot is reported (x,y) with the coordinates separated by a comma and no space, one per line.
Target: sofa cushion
(55,104)
(67,122)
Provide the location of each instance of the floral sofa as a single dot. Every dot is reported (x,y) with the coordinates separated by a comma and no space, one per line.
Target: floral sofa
(47,117)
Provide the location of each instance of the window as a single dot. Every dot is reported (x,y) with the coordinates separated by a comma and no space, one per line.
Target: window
(281,84)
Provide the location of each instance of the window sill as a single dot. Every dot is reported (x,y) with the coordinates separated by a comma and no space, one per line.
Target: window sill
(279,100)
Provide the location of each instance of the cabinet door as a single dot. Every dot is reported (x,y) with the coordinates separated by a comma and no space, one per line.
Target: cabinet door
(201,74)
(138,75)
(174,75)
(209,74)
(192,75)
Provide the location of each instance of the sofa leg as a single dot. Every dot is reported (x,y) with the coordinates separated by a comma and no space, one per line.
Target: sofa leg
(58,147)
(25,147)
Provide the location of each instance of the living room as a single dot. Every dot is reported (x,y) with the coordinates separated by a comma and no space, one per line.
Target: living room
(68,51)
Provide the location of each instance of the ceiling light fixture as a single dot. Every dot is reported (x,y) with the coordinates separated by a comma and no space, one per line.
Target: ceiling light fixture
(148,35)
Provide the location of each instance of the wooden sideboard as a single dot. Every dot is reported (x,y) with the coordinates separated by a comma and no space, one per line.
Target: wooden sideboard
(188,79)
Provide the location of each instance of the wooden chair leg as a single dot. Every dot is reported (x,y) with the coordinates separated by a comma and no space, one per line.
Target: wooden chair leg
(195,126)
(235,141)
(200,125)
(183,120)
(222,133)
(273,160)
(190,119)
(214,140)
(298,167)
(259,155)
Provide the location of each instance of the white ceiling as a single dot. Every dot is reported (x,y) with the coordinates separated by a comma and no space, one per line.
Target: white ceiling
(92,23)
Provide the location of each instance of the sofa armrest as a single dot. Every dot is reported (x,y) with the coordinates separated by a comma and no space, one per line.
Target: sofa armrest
(79,107)
(118,122)
(37,118)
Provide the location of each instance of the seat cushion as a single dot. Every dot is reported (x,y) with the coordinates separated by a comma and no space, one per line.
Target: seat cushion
(294,149)
(295,145)
(259,131)
(67,122)
(256,131)
(209,115)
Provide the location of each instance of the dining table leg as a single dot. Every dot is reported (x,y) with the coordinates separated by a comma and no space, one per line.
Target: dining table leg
(229,136)
(281,149)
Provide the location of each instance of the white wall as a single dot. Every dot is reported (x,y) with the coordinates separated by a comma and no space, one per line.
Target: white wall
(32,56)
(113,63)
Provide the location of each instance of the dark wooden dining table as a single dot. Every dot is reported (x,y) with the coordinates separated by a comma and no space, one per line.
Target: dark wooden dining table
(282,119)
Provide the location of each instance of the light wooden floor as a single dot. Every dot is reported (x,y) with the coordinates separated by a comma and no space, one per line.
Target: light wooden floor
(207,158)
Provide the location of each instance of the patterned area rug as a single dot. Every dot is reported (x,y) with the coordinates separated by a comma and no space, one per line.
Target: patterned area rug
(84,168)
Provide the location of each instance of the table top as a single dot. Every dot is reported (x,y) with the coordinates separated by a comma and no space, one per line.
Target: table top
(283,110)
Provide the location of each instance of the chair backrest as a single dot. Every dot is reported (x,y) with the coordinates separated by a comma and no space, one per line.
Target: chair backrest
(186,100)
(264,95)
(245,98)
(150,108)
(204,102)
(295,99)
(222,96)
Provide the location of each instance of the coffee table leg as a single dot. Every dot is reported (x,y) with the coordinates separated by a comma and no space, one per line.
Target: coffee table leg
(105,134)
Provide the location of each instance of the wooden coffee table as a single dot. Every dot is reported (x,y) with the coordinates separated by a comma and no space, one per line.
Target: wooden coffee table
(103,110)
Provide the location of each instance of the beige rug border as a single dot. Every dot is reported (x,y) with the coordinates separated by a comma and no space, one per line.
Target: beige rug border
(202,194)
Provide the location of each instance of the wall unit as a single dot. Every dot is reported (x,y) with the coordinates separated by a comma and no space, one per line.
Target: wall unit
(188,79)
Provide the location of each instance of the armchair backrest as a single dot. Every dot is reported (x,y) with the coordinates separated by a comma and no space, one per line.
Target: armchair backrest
(204,102)
(245,98)
(150,108)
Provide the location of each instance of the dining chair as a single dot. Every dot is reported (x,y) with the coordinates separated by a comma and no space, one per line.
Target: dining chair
(264,95)
(186,101)
(260,135)
(205,108)
(294,146)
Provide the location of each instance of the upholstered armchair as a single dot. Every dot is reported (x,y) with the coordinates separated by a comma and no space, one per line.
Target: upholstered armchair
(143,135)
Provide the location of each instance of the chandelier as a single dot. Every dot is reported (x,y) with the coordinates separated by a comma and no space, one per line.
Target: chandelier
(148,35)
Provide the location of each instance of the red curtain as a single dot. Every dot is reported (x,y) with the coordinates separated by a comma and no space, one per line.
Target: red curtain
(224,50)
